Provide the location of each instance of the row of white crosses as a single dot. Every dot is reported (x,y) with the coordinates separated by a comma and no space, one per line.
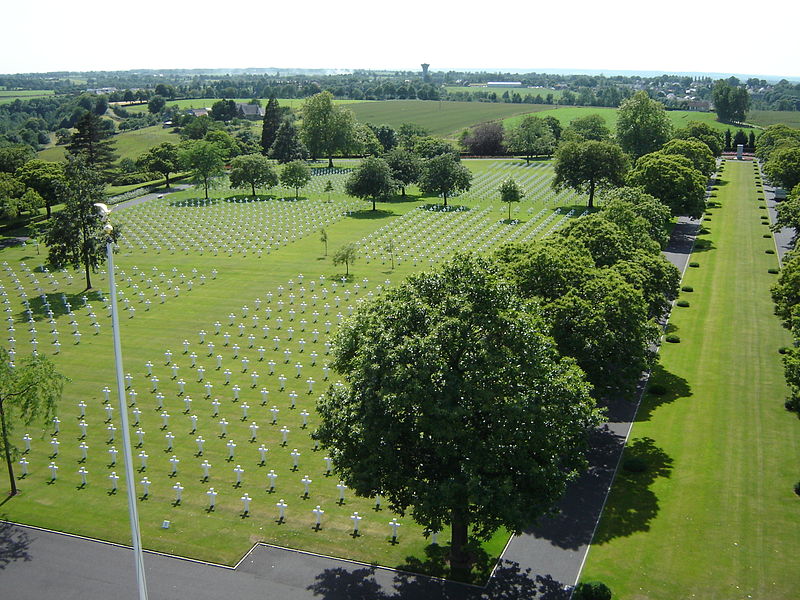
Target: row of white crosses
(243,226)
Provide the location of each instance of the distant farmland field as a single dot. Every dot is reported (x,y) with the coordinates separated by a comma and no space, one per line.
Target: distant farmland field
(294,103)
(522,91)
(11,95)
(765,118)
(444,119)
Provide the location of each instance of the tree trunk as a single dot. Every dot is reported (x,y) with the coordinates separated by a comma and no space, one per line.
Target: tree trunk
(88,274)
(166,179)
(253,185)
(8,452)
(403,191)
(205,185)
(445,199)
(330,161)
(47,206)
(459,558)
(591,194)
(373,204)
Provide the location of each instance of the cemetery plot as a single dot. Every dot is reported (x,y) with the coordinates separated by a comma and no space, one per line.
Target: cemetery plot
(224,366)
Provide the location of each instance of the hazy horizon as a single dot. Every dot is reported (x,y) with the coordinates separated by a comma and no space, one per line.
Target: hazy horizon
(617,35)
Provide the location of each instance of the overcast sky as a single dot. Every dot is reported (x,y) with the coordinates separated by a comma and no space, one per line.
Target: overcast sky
(721,37)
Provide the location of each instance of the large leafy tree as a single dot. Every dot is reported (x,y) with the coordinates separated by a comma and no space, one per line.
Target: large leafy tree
(29,392)
(443,176)
(774,138)
(584,166)
(44,177)
(621,206)
(590,127)
(252,170)
(642,125)
(730,102)
(371,180)
(456,406)
(92,141)
(783,167)
(673,180)
(164,159)
(287,145)
(271,123)
(13,157)
(486,139)
(789,214)
(75,234)
(296,174)
(204,160)
(405,167)
(326,129)
(698,130)
(786,292)
(696,151)
(532,137)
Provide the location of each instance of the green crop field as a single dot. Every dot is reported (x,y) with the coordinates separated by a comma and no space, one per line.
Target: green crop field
(765,118)
(714,515)
(257,269)
(443,119)
(11,95)
(128,144)
(678,118)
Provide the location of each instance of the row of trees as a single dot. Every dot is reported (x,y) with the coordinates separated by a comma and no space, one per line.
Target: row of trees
(469,391)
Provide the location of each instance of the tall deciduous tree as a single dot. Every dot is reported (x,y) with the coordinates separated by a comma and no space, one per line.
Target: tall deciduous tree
(44,177)
(252,170)
(75,234)
(590,127)
(673,180)
(163,159)
(696,151)
(91,140)
(456,406)
(287,145)
(326,129)
(532,137)
(29,392)
(642,125)
(405,167)
(510,192)
(783,167)
(269,127)
(346,255)
(296,174)
(13,157)
(584,166)
(443,176)
(705,133)
(731,103)
(205,161)
(371,180)
(485,139)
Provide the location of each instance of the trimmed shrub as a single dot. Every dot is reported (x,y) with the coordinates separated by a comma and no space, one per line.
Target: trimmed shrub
(766,235)
(687,288)
(773,271)
(694,264)
(682,303)
(769,251)
(797,488)
(592,590)
(783,350)
(673,339)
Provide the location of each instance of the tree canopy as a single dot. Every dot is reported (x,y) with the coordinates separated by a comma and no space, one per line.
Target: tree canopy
(590,127)
(443,176)
(29,391)
(532,137)
(783,167)
(673,180)
(405,167)
(455,405)
(164,159)
(370,180)
(91,140)
(296,174)
(730,102)
(326,129)
(584,166)
(75,235)
(205,161)
(696,151)
(270,124)
(252,170)
(44,177)
(642,125)
(705,133)
(510,193)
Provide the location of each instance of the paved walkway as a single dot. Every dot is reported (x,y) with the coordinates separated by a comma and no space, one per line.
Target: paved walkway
(783,238)
(152,196)
(542,563)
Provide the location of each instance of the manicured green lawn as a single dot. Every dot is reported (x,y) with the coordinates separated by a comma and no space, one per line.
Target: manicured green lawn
(715,516)
(127,144)
(419,238)
(765,118)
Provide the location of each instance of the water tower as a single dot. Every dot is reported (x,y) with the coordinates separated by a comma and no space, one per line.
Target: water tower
(425,75)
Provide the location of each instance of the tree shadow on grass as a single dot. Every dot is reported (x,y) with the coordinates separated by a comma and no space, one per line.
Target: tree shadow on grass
(663,388)
(39,309)
(632,505)
(701,245)
(14,544)
(510,582)
(372,214)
